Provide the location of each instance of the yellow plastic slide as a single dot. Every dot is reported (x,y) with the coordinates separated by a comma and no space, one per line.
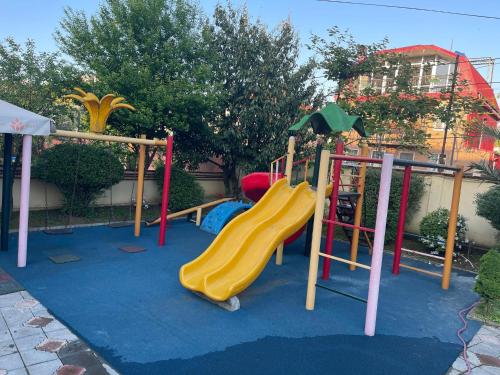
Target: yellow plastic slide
(242,249)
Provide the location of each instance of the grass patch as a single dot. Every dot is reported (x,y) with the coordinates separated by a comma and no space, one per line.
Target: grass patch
(488,311)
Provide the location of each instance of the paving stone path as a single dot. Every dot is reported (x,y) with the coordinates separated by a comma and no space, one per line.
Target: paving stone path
(483,353)
(33,342)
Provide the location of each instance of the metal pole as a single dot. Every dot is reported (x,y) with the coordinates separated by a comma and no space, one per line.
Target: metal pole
(166,188)
(318,225)
(332,213)
(310,223)
(6,190)
(24,201)
(140,188)
(403,203)
(288,174)
(359,207)
(452,229)
(378,245)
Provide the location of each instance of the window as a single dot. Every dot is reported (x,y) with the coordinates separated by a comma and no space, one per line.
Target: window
(438,125)
(352,151)
(406,155)
(377,154)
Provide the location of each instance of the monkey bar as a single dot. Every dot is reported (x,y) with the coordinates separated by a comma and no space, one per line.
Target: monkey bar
(378,244)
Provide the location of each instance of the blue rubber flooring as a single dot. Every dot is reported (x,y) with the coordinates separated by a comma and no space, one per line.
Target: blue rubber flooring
(131,308)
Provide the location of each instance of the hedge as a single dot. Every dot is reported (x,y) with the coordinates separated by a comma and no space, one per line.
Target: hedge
(185,191)
(80,171)
(488,206)
(488,282)
(417,187)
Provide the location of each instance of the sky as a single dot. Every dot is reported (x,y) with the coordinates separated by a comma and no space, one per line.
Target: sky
(476,37)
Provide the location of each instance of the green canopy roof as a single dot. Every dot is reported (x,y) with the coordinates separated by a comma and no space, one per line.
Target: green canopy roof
(331,119)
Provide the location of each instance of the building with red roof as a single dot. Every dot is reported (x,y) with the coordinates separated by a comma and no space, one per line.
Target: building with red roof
(433,68)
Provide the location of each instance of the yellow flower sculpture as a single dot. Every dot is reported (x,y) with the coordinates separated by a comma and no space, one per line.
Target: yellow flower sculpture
(99,110)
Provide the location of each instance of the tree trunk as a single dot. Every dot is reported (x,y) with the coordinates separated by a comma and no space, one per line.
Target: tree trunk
(231,181)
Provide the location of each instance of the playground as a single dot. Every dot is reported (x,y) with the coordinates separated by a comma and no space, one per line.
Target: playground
(131,309)
(260,286)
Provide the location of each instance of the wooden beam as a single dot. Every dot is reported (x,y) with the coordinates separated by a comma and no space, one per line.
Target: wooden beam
(420,270)
(109,138)
(360,265)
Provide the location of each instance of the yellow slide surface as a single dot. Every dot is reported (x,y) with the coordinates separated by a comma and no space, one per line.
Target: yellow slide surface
(242,249)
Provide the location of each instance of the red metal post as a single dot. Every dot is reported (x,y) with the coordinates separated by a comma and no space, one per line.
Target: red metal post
(332,213)
(166,188)
(401,220)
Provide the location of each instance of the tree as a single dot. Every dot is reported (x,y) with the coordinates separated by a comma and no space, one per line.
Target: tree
(398,113)
(35,81)
(261,88)
(150,52)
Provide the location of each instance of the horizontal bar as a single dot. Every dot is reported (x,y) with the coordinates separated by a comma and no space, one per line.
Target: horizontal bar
(355,158)
(110,138)
(301,161)
(423,254)
(342,293)
(420,270)
(350,175)
(349,225)
(342,260)
(403,162)
(280,158)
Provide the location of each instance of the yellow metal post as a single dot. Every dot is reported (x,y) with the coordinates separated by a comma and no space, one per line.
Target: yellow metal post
(452,228)
(359,208)
(317,229)
(288,172)
(140,188)
(198,216)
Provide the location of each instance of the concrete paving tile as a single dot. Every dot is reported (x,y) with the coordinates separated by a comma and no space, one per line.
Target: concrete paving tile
(20,332)
(11,362)
(490,339)
(45,368)
(485,348)
(15,316)
(71,370)
(40,310)
(62,334)
(19,371)
(72,348)
(26,295)
(83,359)
(488,360)
(33,356)
(52,346)
(491,370)
(7,347)
(5,335)
(38,322)
(54,325)
(29,342)
(9,300)
(26,304)
(459,365)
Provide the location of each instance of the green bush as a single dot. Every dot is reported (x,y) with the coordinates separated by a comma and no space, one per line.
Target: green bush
(434,229)
(417,187)
(488,206)
(488,282)
(185,191)
(80,171)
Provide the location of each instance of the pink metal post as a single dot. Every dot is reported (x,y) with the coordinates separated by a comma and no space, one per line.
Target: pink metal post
(166,188)
(378,245)
(401,220)
(24,202)
(332,213)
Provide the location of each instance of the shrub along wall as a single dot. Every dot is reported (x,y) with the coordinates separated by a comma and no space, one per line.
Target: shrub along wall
(371,199)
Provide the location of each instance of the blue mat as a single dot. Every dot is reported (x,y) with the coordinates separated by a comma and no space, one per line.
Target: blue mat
(133,311)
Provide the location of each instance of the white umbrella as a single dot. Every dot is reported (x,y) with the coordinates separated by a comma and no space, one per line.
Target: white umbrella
(16,120)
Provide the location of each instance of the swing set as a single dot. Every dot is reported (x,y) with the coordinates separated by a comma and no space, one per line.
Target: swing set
(99,111)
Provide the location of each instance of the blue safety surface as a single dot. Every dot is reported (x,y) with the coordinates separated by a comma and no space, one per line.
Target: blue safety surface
(132,310)
(217,218)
